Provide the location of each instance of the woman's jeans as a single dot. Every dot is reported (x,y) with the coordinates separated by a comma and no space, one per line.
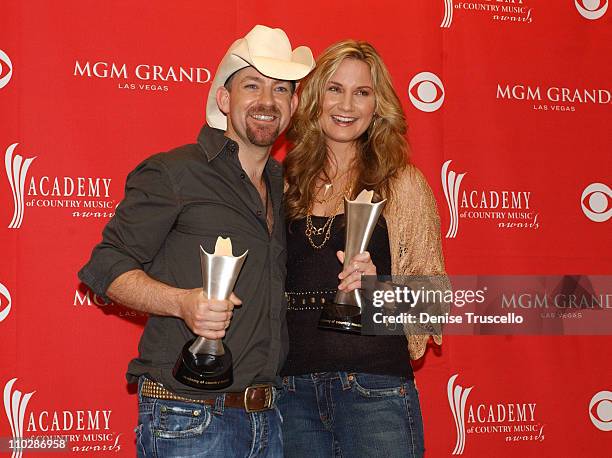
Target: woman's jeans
(332,414)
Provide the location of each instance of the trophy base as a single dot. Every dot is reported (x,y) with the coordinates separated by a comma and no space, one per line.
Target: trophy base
(343,318)
(204,371)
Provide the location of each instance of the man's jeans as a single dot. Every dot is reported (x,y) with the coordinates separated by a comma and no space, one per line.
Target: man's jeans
(180,429)
(334,414)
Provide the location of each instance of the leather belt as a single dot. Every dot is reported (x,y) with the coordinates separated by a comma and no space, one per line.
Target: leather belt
(309,300)
(254,398)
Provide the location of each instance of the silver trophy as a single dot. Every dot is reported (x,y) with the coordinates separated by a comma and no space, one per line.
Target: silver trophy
(361,216)
(207,363)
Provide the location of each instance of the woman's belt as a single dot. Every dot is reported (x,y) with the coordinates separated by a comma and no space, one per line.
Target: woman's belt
(309,300)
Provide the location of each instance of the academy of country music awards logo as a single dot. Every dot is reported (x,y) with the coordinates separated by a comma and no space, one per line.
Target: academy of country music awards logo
(515,11)
(142,77)
(508,209)
(78,196)
(80,431)
(6,69)
(514,421)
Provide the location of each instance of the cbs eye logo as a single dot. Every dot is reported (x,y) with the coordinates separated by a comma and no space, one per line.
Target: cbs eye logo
(591,9)
(6,69)
(426,92)
(596,202)
(600,410)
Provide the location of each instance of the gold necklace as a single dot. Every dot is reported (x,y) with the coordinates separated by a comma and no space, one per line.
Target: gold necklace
(324,230)
(330,198)
(329,186)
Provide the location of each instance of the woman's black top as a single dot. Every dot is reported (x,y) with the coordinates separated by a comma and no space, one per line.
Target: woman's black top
(314,273)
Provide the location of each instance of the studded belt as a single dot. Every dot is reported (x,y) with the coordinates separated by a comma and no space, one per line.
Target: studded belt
(254,398)
(309,300)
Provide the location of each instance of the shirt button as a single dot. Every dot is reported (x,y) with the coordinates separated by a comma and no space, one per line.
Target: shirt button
(243,176)
(258,212)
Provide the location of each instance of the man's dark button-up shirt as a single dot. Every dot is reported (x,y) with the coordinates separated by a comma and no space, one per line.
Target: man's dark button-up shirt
(174,202)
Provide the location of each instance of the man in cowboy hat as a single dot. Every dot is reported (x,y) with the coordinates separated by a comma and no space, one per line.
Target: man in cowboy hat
(225,184)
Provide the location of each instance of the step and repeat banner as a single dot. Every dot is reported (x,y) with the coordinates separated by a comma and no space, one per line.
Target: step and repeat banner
(509,106)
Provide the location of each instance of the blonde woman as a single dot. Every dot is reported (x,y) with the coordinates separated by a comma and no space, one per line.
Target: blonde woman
(346,394)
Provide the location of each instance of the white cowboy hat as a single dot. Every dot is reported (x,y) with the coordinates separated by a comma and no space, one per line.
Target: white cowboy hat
(269,52)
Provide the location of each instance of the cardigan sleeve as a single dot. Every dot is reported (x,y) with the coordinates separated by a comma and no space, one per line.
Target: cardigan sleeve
(416,249)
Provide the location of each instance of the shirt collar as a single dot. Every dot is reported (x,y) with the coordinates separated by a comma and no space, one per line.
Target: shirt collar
(274,168)
(213,141)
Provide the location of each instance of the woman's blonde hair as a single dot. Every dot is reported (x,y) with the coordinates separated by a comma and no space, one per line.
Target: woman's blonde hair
(382,150)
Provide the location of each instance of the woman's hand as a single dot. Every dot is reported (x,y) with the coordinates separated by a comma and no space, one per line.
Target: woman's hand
(361,264)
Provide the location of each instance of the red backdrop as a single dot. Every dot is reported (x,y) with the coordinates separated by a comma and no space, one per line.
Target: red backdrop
(517,96)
